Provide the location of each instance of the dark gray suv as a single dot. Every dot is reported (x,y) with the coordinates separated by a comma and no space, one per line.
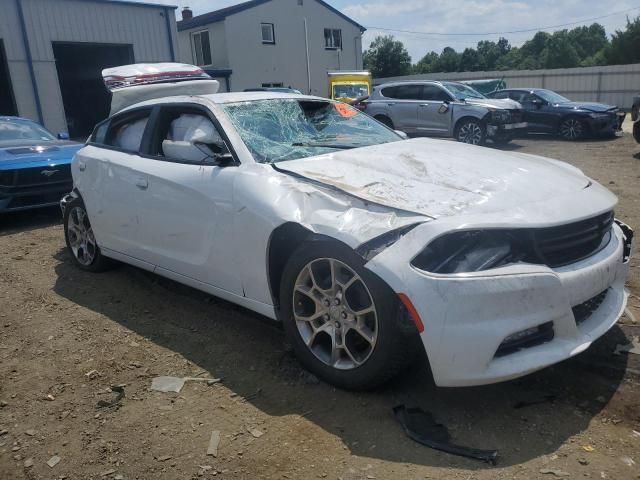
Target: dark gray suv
(447,109)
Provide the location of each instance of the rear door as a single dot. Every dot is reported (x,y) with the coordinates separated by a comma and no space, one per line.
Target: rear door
(539,114)
(430,119)
(403,105)
(105,172)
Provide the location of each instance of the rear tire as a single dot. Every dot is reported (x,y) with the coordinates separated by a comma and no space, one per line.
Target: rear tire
(323,287)
(81,241)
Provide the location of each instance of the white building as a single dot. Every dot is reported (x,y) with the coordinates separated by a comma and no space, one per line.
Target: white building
(263,43)
(52,53)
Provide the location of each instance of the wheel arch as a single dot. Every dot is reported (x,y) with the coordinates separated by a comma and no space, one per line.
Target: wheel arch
(482,121)
(283,240)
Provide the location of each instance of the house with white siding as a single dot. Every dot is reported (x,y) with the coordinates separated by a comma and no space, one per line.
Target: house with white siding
(52,53)
(272,43)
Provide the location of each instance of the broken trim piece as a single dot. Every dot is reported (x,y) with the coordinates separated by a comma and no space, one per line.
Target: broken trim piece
(373,247)
(422,428)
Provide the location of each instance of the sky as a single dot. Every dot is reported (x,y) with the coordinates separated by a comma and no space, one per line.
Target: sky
(462,16)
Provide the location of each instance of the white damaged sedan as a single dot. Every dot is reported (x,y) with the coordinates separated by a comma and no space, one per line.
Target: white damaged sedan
(366,246)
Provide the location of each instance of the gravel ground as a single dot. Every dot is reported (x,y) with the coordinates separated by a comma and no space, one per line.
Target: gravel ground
(66,336)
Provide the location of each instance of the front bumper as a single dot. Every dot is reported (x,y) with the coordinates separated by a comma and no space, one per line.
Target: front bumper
(606,124)
(467,317)
(507,129)
(14,199)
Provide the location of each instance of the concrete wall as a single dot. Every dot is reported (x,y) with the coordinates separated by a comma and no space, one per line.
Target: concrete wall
(89,21)
(236,43)
(614,85)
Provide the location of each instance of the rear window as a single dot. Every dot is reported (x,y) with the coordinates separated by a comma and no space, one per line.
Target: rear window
(403,92)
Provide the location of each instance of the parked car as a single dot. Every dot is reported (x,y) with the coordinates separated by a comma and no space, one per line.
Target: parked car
(446,109)
(550,112)
(34,165)
(364,245)
(635,116)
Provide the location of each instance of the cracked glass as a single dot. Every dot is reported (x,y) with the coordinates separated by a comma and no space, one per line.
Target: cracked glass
(276,130)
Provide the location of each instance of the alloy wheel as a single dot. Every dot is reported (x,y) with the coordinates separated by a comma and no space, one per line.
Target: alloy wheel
(471,133)
(335,313)
(571,129)
(81,238)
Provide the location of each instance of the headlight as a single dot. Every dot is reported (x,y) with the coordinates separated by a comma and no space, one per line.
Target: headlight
(470,251)
(501,116)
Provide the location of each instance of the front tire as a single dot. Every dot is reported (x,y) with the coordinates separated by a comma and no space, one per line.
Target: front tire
(572,129)
(342,320)
(470,131)
(80,239)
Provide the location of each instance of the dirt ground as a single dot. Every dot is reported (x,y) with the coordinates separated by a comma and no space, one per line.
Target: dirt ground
(66,336)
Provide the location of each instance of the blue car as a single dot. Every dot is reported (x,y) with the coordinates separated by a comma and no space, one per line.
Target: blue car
(35,165)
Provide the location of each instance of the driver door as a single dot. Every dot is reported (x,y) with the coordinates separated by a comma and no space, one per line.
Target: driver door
(185,208)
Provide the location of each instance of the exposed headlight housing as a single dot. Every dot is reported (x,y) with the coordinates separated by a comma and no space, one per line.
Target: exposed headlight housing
(470,251)
(500,116)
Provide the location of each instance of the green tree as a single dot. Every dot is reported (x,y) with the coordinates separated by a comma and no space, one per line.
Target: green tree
(588,40)
(448,61)
(625,45)
(471,61)
(559,52)
(387,57)
(427,63)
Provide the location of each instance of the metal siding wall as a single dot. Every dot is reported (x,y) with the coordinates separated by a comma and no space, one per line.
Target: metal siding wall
(50,21)
(618,84)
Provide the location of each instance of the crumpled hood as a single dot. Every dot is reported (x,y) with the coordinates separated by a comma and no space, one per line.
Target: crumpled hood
(440,178)
(501,103)
(590,107)
(25,155)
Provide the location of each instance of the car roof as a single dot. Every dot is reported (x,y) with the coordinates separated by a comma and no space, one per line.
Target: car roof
(520,89)
(230,97)
(413,82)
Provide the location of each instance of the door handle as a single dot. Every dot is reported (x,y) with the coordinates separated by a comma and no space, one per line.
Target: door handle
(391,104)
(82,166)
(424,105)
(142,183)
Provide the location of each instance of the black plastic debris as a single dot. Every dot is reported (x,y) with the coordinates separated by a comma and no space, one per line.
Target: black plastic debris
(421,427)
(535,401)
(115,402)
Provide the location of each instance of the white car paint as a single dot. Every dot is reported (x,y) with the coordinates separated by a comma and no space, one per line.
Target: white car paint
(210,227)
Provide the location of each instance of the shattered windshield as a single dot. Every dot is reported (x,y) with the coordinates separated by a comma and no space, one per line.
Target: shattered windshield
(276,130)
(461,91)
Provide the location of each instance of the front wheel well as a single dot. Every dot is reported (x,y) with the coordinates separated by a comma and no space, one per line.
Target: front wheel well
(283,241)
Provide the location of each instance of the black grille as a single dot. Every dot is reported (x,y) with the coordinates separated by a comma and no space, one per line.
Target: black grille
(541,334)
(557,246)
(43,175)
(584,310)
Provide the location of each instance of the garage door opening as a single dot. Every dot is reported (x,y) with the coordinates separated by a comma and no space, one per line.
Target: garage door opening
(86,100)
(7,101)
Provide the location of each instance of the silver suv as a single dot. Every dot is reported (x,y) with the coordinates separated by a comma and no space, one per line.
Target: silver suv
(447,109)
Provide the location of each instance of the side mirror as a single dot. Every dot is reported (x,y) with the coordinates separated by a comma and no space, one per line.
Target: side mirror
(444,108)
(63,136)
(538,103)
(197,153)
(402,134)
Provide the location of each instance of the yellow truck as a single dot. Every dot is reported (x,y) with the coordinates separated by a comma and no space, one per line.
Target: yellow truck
(345,86)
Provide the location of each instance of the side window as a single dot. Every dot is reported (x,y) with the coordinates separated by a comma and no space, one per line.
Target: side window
(186,135)
(403,92)
(434,93)
(99,133)
(125,131)
(528,98)
(201,48)
(332,38)
(268,34)
(517,96)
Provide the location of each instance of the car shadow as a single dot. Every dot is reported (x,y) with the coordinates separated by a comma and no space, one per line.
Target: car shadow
(250,354)
(28,220)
